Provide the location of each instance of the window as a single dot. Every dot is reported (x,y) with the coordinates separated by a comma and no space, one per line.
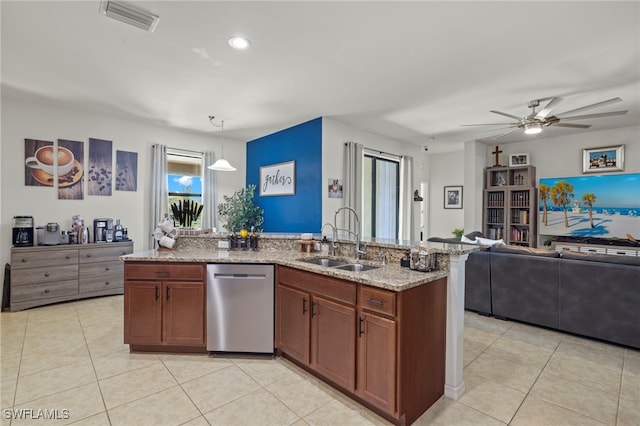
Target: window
(381,195)
(184,169)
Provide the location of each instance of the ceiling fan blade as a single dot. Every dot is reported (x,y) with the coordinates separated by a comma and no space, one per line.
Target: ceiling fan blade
(574,126)
(506,115)
(505,134)
(596,105)
(547,109)
(489,124)
(601,114)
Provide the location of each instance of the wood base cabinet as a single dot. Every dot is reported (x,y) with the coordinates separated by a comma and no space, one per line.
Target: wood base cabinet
(383,348)
(164,307)
(315,324)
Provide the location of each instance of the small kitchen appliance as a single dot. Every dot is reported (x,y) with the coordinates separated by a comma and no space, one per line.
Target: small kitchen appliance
(52,234)
(22,235)
(103,230)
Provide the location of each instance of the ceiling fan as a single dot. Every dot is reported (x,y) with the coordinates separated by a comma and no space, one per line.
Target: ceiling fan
(536,121)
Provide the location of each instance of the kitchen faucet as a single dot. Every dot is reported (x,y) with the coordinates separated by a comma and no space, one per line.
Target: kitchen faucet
(356,234)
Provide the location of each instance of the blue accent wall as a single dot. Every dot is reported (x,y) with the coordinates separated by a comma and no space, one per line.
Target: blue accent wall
(301,212)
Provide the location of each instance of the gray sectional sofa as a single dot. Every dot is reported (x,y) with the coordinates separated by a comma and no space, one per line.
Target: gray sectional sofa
(588,294)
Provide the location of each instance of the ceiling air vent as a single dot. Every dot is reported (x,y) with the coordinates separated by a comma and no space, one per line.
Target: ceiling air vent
(128,14)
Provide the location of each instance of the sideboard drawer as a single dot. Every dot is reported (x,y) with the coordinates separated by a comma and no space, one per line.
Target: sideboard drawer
(47,274)
(108,283)
(31,292)
(99,269)
(37,259)
(377,300)
(103,252)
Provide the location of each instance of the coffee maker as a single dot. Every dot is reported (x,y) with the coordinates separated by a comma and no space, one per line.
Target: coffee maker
(103,230)
(22,235)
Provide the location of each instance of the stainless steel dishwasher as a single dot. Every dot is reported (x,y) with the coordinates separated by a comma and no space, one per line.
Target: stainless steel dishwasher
(240,308)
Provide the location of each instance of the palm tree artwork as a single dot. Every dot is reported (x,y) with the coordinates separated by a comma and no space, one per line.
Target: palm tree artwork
(561,195)
(543,194)
(589,200)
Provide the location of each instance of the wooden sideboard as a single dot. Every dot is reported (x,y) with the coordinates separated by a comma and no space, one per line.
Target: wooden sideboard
(42,275)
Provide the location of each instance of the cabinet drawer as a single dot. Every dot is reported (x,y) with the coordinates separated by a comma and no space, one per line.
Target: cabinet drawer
(103,252)
(46,274)
(164,271)
(25,293)
(37,259)
(377,300)
(99,269)
(106,283)
(340,290)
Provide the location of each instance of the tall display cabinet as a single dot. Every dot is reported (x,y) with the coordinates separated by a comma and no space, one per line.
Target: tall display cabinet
(510,205)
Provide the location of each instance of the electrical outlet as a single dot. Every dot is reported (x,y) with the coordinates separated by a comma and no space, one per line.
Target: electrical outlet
(223,244)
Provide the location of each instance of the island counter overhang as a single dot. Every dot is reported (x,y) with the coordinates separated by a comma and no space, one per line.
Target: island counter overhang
(392,277)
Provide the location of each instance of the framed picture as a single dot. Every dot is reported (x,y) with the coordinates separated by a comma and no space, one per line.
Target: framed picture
(278,179)
(335,188)
(452,197)
(607,159)
(518,160)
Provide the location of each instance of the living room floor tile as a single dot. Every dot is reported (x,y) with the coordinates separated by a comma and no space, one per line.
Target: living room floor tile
(506,373)
(536,412)
(259,407)
(491,398)
(520,352)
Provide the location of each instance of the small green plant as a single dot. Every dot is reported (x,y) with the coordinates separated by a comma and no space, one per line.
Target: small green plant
(458,232)
(240,211)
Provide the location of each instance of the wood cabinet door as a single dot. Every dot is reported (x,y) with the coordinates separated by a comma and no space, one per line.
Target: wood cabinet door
(333,341)
(377,366)
(292,323)
(142,312)
(184,313)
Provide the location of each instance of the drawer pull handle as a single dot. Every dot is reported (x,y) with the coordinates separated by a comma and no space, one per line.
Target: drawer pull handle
(375,302)
(67,257)
(106,269)
(163,273)
(46,290)
(24,260)
(46,274)
(106,283)
(360,328)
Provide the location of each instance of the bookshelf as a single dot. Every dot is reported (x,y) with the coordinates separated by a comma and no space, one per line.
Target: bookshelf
(510,205)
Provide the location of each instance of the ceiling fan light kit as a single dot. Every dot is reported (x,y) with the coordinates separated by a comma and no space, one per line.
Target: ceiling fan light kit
(533,123)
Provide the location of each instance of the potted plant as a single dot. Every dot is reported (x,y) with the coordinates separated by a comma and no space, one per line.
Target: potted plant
(240,211)
(458,232)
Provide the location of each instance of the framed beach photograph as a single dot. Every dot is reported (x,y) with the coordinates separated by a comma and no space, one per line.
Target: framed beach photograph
(518,160)
(453,197)
(606,159)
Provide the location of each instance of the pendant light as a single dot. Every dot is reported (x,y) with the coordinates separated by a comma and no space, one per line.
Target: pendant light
(221,165)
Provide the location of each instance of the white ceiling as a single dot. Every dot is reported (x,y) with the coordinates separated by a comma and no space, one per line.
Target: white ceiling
(413,71)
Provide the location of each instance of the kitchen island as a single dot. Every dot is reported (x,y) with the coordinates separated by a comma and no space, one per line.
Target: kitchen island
(377,335)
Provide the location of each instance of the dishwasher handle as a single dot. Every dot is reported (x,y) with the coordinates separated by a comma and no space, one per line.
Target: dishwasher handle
(239,276)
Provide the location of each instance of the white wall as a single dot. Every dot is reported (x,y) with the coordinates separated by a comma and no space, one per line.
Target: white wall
(22,120)
(445,169)
(335,134)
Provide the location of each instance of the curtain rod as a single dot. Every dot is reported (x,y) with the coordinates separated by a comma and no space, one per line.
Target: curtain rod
(178,151)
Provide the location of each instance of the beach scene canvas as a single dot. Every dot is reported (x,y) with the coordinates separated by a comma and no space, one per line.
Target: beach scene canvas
(604,206)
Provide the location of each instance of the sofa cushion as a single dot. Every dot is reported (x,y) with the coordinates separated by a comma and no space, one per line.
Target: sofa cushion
(524,250)
(605,258)
(488,242)
(475,234)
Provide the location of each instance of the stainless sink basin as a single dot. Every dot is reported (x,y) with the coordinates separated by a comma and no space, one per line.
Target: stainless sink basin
(330,263)
(355,267)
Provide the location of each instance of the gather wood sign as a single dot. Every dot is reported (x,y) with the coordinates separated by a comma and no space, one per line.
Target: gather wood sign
(278,179)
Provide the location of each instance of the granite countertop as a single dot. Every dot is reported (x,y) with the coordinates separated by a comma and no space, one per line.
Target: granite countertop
(391,277)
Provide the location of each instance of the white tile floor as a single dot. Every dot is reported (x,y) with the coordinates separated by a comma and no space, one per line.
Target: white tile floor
(70,357)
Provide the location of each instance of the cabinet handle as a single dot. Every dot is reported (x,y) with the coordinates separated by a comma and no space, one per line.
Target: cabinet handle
(360,326)
(107,283)
(163,273)
(106,269)
(304,306)
(313,309)
(46,290)
(46,274)
(67,257)
(157,292)
(375,301)
(24,260)
(168,292)
(88,254)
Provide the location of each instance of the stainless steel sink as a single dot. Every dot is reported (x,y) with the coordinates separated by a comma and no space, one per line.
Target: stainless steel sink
(329,263)
(356,267)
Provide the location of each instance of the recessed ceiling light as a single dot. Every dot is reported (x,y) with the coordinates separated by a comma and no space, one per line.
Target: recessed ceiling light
(239,43)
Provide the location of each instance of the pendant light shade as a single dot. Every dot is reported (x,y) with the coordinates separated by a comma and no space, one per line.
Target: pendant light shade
(221,165)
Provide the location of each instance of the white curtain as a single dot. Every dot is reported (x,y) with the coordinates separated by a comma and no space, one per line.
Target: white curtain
(406,198)
(209,192)
(352,185)
(159,188)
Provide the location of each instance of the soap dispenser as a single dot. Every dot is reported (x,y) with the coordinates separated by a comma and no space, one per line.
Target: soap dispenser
(324,245)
